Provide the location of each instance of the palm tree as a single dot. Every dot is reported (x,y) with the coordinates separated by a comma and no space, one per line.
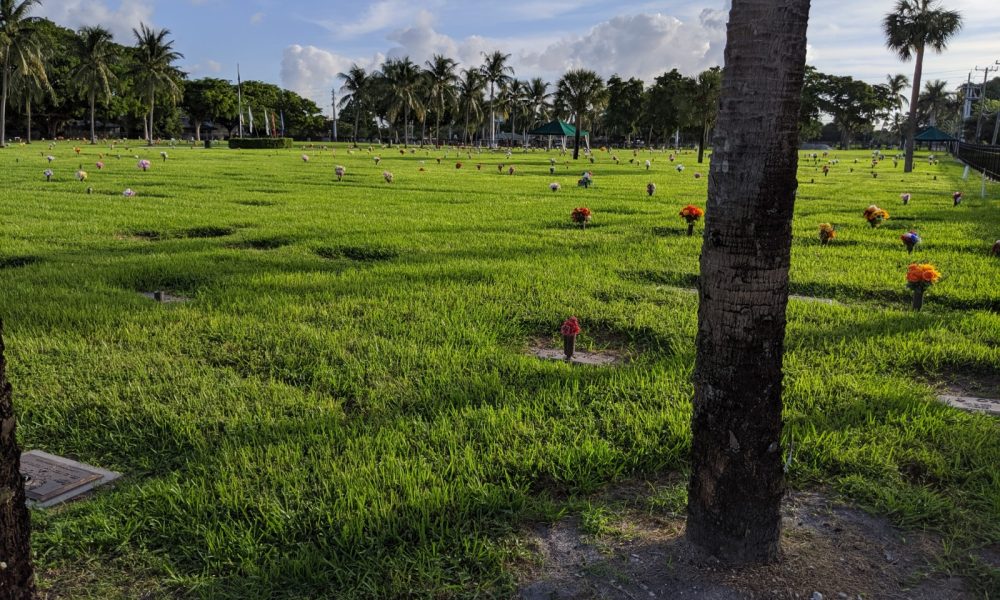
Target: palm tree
(933,100)
(17,579)
(18,50)
(496,71)
(513,96)
(537,103)
(470,97)
(705,103)
(580,92)
(404,79)
(441,79)
(154,71)
(910,29)
(896,84)
(93,75)
(357,83)
(30,87)
(737,477)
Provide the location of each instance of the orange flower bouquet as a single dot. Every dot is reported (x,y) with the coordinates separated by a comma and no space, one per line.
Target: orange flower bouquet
(691,214)
(919,277)
(875,215)
(826,233)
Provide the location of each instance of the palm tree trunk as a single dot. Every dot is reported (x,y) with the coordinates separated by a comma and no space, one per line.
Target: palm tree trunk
(578,121)
(93,132)
(357,122)
(406,127)
(17,579)
(152,107)
(911,126)
(27,109)
(737,478)
(197,130)
(3,100)
(493,120)
(702,140)
(465,137)
(437,129)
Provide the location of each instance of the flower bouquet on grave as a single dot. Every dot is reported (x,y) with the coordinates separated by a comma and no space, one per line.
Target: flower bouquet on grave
(554,186)
(387,176)
(650,188)
(81,175)
(957,198)
(905,198)
(581,216)
(586,180)
(875,215)
(48,174)
(996,248)
(569,330)
(910,240)
(826,233)
(339,171)
(919,277)
(691,214)
(458,165)
(144,164)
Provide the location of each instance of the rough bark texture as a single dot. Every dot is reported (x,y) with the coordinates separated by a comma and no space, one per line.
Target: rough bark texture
(737,478)
(17,580)
(911,125)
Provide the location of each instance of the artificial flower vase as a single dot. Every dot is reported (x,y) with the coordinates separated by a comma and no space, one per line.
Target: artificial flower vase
(690,228)
(918,298)
(569,346)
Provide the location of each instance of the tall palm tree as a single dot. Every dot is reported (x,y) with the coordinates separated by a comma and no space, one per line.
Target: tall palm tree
(513,97)
(441,80)
(581,92)
(30,87)
(404,80)
(737,477)
(154,70)
(93,76)
(17,577)
(896,84)
(357,84)
(933,100)
(497,72)
(537,103)
(471,86)
(18,50)
(910,29)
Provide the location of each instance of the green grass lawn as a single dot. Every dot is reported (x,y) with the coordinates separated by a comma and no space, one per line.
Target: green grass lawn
(347,402)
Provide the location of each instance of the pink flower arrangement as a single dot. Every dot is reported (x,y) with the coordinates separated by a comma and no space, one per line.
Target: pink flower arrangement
(128,193)
(387,176)
(144,164)
(100,165)
(305,158)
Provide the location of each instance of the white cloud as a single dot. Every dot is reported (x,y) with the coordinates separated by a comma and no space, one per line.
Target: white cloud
(257,18)
(312,72)
(78,13)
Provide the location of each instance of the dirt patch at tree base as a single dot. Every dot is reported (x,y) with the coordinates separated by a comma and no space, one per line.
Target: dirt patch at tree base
(840,552)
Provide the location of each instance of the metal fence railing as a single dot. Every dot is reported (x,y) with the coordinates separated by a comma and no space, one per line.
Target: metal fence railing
(985,159)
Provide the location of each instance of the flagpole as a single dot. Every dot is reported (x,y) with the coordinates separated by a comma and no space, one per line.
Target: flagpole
(239,96)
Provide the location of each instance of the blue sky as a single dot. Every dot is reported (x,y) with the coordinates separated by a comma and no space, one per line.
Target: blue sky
(302,44)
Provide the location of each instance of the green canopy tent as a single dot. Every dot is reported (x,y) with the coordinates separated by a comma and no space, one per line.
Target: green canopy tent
(933,135)
(559,128)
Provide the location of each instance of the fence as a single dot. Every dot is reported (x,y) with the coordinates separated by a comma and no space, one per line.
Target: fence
(985,159)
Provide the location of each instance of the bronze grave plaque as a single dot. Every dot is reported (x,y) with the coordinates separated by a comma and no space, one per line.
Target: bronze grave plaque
(46,479)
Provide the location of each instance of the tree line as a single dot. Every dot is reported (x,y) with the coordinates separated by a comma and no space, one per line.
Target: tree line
(51,76)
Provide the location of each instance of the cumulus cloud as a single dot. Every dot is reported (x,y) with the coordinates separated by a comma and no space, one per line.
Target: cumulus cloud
(311,72)
(79,13)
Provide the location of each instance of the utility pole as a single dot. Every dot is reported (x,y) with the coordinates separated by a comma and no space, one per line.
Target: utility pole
(334,98)
(982,99)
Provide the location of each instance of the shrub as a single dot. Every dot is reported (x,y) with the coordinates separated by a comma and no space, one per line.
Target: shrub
(260,143)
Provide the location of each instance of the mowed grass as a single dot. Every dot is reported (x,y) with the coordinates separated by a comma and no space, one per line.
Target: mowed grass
(346,406)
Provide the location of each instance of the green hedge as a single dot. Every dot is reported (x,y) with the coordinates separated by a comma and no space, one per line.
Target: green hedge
(260,143)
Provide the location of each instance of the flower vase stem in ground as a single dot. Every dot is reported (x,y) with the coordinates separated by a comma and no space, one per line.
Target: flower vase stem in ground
(569,346)
(909,249)
(690,229)
(918,299)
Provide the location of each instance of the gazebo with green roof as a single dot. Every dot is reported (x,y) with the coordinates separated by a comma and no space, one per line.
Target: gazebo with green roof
(933,135)
(559,128)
